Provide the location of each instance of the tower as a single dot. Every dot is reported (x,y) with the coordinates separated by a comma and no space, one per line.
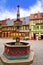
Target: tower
(18,13)
(18,22)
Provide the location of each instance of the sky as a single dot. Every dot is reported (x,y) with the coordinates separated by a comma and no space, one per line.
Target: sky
(8,8)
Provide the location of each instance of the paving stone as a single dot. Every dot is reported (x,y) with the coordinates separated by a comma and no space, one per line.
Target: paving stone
(36,46)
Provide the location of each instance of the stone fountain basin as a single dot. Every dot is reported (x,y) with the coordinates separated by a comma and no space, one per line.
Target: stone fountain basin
(15,52)
(22,44)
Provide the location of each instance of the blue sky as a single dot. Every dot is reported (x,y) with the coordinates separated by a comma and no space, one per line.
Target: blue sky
(13,3)
(8,7)
(23,3)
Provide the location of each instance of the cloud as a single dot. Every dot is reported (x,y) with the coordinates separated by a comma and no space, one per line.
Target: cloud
(5,13)
(37,7)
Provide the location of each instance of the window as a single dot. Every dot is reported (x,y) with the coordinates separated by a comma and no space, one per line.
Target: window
(41,27)
(42,14)
(12,28)
(17,27)
(5,28)
(35,21)
(36,27)
(19,34)
(35,15)
(14,34)
(39,21)
(42,21)
(25,27)
(22,28)
(8,28)
(6,34)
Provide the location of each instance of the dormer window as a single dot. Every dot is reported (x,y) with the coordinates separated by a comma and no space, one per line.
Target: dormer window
(35,15)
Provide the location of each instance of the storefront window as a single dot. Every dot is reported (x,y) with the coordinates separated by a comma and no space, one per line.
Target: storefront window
(16,34)
(11,34)
(19,34)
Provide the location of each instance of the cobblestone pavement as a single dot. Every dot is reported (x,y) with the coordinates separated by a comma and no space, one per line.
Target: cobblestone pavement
(36,46)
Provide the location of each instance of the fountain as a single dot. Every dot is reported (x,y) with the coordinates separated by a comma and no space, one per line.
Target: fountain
(17,52)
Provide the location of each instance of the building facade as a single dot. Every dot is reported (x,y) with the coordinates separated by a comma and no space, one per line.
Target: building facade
(15,27)
(36,26)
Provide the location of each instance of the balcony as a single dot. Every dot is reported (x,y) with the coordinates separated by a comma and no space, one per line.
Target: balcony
(24,30)
(37,30)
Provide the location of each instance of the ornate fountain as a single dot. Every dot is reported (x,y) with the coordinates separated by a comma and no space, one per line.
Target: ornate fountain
(17,50)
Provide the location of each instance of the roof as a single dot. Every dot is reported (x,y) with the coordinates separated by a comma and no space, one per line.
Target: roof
(25,21)
(36,16)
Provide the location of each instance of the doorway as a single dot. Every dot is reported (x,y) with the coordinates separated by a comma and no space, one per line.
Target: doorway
(0,34)
(34,36)
(41,36)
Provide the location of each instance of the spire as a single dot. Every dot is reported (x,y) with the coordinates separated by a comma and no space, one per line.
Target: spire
(18,13)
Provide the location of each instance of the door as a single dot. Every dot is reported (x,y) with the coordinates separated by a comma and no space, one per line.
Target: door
(41,36)
(0,34)
(34,36)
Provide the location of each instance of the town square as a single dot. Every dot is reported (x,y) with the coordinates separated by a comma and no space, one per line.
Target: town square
(21,32)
